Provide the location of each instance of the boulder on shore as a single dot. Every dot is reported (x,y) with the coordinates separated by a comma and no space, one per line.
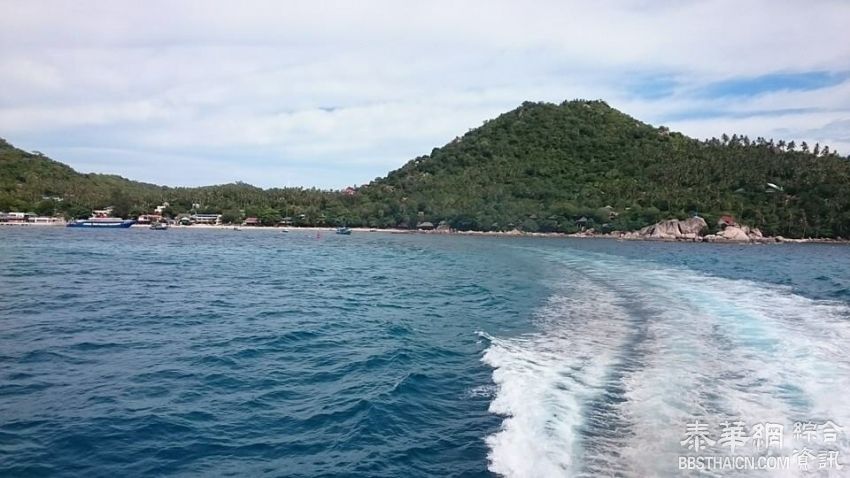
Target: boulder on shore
(693,225)
(741,233)
(689,229)
(734,233)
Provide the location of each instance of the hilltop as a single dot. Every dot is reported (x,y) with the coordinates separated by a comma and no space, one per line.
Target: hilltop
(540,167)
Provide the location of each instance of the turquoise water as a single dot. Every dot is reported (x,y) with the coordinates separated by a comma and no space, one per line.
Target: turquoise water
(212,352)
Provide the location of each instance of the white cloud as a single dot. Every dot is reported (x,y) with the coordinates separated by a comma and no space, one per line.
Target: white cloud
(334,93)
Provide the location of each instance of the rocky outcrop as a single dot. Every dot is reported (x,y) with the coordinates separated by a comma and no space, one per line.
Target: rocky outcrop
(689,230)
(693,225)
(734,233)
(738,233)
(671,229)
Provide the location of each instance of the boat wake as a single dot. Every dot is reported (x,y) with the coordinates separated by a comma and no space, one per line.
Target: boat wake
(628,353)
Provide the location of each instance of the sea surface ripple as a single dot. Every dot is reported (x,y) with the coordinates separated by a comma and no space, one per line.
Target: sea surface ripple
(225,353)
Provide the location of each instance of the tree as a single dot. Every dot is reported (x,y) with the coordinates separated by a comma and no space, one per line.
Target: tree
(231,216)
(77,211)
(45,207)
(120,203)
(268,217)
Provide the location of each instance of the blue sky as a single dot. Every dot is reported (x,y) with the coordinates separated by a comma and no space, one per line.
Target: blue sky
(336,93)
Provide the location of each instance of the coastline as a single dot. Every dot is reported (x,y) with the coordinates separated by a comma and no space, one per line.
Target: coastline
(514,233)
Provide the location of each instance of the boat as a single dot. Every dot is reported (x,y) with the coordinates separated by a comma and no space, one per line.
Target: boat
(102,222)
(344,230)
(159,226)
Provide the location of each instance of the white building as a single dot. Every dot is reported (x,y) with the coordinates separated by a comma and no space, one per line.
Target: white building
(206,218)
(46,221)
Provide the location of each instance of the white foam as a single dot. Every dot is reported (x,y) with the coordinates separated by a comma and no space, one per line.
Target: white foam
(710,348)
(543,380)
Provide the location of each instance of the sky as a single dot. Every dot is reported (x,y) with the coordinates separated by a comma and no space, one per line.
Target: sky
(336,93)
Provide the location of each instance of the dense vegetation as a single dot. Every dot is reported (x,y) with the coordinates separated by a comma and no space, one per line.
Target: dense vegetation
(540,167)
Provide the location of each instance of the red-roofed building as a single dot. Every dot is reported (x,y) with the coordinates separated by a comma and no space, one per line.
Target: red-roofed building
(726,221)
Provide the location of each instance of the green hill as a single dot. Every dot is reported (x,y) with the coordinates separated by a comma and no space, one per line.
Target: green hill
(33,182)
(540,167)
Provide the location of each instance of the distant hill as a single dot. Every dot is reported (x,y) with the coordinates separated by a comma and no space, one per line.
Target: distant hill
(540,167)
(34,182)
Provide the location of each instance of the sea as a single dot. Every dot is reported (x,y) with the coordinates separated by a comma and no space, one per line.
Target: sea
(303,354)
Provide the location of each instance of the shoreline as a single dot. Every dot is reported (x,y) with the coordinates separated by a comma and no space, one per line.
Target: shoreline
(551,235)
(554,235)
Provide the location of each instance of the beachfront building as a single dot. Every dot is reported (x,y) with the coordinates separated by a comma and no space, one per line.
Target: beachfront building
(149,218)
(251,221)
(46,220)
(206,219)
(13,217)
(183,219)
(27,218)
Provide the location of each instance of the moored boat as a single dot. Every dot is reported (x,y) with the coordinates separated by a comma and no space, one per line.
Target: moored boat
(159,226)
(102,222)
(344,230)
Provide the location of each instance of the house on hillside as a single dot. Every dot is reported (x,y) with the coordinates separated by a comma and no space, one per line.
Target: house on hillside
(582,223)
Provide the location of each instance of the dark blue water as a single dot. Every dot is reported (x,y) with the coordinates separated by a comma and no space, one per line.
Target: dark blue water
(212,352)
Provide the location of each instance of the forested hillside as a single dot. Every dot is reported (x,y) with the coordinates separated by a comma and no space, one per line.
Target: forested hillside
(540,167)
